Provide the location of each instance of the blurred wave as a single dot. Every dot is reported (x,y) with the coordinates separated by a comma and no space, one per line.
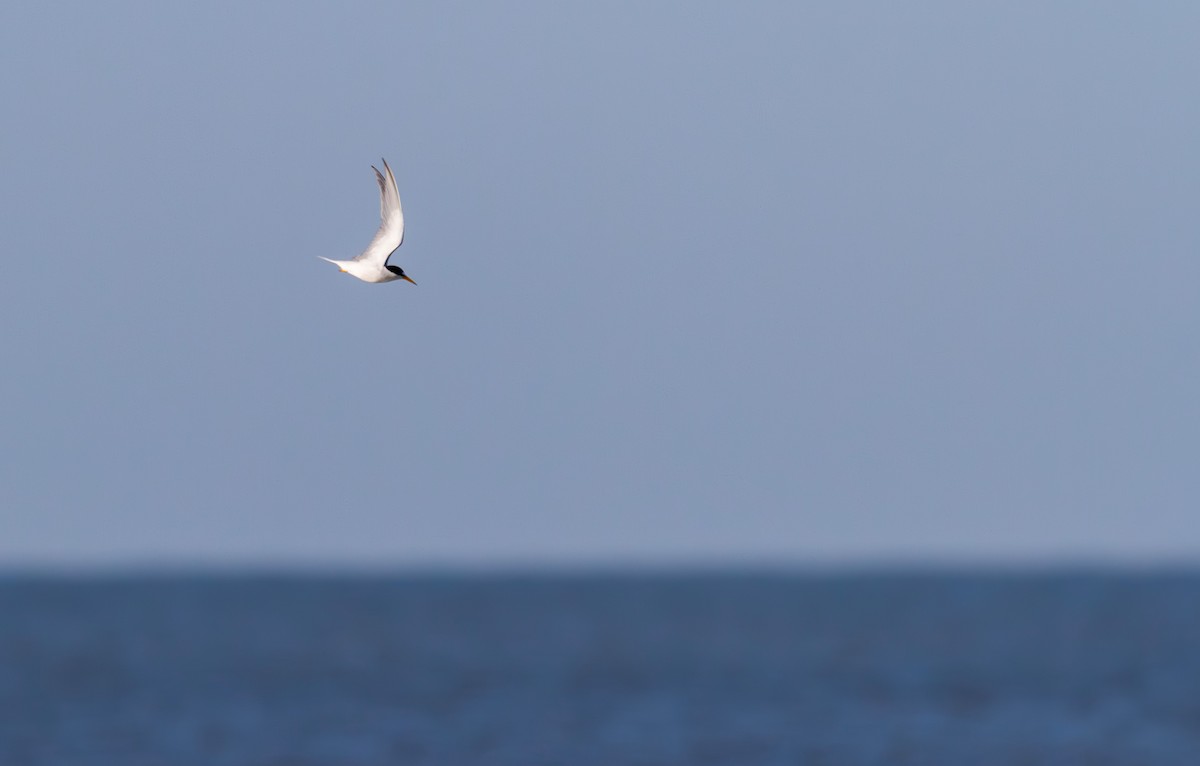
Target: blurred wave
(517,670)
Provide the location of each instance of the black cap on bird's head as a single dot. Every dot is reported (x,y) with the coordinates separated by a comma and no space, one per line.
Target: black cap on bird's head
(399,272)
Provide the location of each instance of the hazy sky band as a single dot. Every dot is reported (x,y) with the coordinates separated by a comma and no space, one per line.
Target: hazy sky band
(698,283)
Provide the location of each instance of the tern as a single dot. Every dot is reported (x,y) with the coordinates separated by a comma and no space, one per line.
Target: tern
(371,265)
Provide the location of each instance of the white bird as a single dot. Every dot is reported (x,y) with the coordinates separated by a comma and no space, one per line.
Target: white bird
(371,265)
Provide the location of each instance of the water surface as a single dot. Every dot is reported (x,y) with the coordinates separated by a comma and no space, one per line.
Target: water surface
(737,669)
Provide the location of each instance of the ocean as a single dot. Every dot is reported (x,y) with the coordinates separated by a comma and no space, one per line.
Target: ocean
(737,669)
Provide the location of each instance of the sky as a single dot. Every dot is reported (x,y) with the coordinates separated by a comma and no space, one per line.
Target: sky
(699,284)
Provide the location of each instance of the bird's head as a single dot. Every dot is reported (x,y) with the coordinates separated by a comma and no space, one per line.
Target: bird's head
(399,272)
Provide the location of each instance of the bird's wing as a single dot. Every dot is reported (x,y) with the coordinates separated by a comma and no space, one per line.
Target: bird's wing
(391,220)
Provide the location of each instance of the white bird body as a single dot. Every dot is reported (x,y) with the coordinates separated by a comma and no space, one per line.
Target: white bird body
(367,272)
(371,265)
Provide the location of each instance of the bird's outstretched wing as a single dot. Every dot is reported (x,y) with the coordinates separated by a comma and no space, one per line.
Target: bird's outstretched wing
(391,220)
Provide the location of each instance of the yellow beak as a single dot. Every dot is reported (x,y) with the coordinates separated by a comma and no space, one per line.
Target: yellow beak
(406,279)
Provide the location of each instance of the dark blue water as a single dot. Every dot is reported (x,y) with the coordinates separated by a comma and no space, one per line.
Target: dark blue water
(713,669)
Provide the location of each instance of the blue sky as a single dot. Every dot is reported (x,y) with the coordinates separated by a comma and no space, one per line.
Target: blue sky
(699,283)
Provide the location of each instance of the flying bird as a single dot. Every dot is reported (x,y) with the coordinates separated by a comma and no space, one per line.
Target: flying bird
(371,265)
